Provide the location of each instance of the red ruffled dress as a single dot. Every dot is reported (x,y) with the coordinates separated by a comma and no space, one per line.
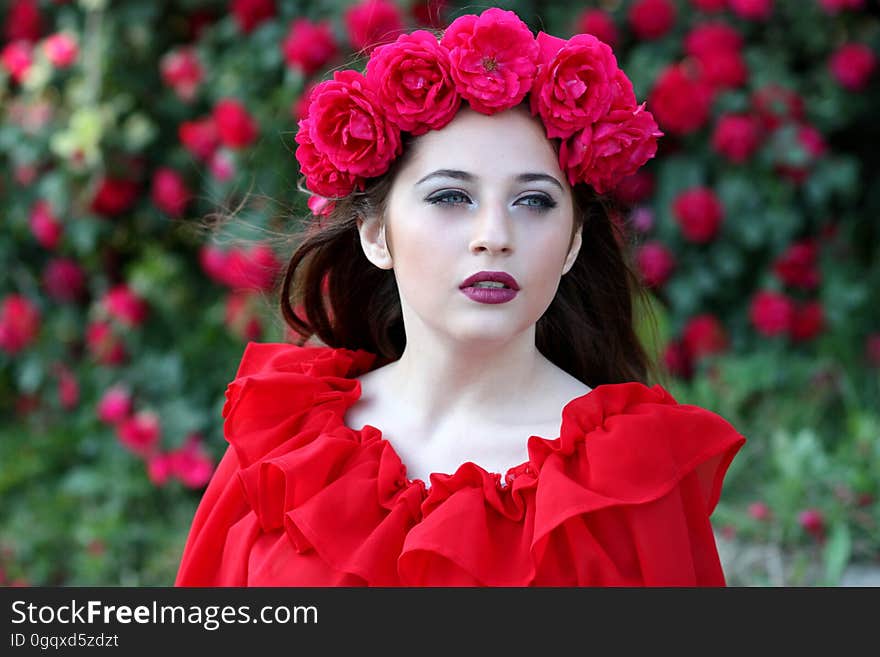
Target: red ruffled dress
(621,498)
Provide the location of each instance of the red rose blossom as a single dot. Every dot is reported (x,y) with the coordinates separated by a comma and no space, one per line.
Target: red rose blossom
(610,149)
(813,522)
(170,193)
(656,263)
(413,82)
(64,279)
(23,21)
(575,85)
(181,70)
(199,137)
(677,360)
(852,65)
(114,405)
(114,196)
(430,13)
(808,321)
(759,511)
(680,100)
(249,14)
(651,19)
(711,36)
(771,313)
(68,386)
(775,104)
(797,266)
(254,268)
(104,345)
(242,314)
(308,46)
(17,57)
(61,49)
(321,176)
(19,323)
(140,433)
(493,58)
(699,214)
(704,335)
(598,23)
(191,464)
(635,188)
(736,136)
(372,23)
(124,305)
(753,10)
(44,225)
(348,126)
(235,126)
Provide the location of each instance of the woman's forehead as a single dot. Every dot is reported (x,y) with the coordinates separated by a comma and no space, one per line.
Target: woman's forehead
(500,146)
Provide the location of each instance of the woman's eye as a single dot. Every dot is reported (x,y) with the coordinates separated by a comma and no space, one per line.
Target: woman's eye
(540,202)
(448,198)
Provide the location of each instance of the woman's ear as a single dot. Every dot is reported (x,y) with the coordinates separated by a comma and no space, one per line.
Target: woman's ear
(573,250)
(373,242)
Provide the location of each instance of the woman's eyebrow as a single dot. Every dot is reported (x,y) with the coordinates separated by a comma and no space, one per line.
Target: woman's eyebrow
(469,177)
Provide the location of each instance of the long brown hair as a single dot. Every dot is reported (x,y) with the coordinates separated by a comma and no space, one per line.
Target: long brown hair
(333,292)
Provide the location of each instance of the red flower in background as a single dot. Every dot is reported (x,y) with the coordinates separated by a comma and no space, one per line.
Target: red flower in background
(681,100)
(23,21)
(68,386)
(812,144)
(308,46)
(717,47)
(872,349)
(813,522)
(199,137)
(64,279)
(235,126)
(242,316)
(699,213)
(181,70)
(656,262)
(170,193)
(797,266)
(19,323)
(115,405)
(775,105)
(114,196)
(852,65)
(140,433)
(759,511)
(189,463)
(372,23)
(737,136)
(635,188)
(753,10)
(104,345)
(125,306)
(677,360)
(44,225)
(250,14)
(61,49)
(704,335)
(598,23)
(430,13)
(808,321)
(771,313)
(17,57)
(254,268)
(651,19)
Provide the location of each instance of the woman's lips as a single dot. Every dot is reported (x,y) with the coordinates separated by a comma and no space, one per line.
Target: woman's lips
(489,294)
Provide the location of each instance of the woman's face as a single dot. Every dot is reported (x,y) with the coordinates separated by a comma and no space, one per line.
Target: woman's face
(485,193)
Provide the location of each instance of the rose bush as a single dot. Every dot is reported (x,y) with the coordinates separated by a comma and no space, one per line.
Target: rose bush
(132,132)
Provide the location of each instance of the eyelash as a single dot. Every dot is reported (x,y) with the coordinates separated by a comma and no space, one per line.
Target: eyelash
(548,203)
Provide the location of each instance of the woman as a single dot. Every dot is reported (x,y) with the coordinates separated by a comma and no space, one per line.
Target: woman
(478,413)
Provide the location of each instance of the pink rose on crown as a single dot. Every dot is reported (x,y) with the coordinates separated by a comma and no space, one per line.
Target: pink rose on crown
(348,126)
(576,83)
(610,149)
(493,59)
(413,82)
(321,176)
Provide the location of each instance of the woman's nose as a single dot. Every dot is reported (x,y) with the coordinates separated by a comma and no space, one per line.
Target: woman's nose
(493,230)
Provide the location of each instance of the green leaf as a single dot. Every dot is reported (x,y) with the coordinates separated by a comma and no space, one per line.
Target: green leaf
(836,553)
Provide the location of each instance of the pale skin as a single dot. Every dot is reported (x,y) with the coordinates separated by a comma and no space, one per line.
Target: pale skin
(471,385)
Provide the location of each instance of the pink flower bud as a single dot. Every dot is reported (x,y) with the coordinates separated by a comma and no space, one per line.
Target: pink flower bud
(61,49)
(115,405)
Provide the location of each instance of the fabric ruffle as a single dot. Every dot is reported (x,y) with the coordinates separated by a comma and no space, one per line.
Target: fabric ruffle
(621,497)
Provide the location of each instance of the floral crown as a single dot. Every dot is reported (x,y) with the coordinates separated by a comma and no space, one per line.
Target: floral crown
(352,130)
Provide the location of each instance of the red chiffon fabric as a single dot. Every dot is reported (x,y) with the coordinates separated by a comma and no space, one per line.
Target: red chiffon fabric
(621,498)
